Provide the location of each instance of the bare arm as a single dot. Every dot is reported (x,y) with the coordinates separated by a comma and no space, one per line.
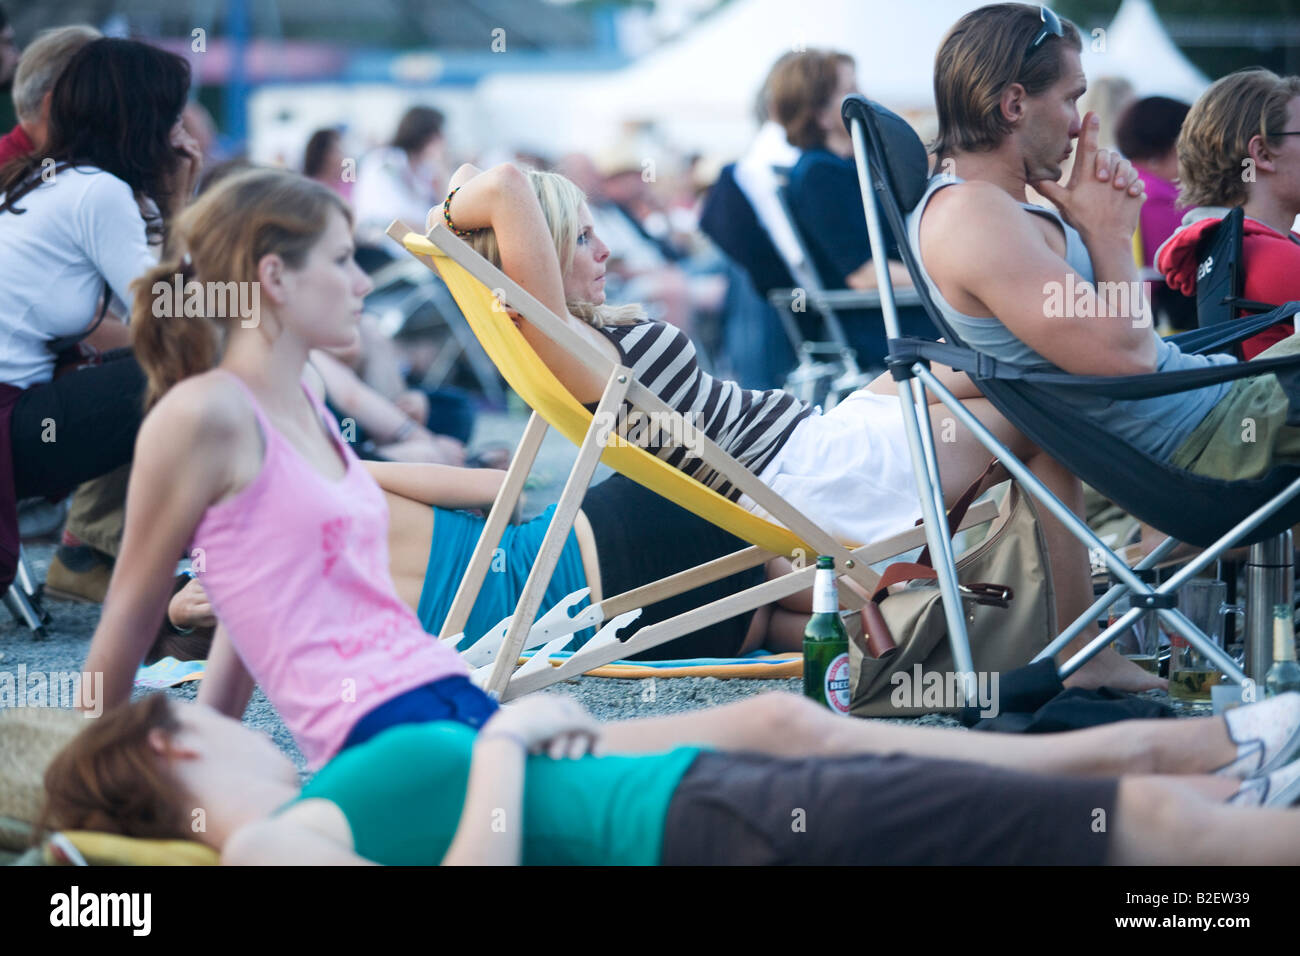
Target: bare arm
(373,412)
(441,485)
(864,276)
(1042,301)
(181,466)
(227,686)
(111,334)
(490,832)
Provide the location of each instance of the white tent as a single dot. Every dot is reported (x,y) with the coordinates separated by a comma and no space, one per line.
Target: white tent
(700,89)
(1137,48)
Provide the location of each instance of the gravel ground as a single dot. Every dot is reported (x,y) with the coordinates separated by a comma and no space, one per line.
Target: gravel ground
(73,625)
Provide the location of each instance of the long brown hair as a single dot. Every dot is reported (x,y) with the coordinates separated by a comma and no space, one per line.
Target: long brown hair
(219,242)
(985,52)
(1214,143)
(110,780)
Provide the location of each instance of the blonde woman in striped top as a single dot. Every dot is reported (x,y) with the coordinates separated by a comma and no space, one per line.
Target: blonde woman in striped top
(849,469)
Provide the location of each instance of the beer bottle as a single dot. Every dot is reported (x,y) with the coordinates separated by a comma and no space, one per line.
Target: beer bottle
(1284,675)
(826,644)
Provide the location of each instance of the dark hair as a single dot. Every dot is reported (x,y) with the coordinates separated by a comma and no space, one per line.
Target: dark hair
(113,107)
(985,52)
(799,88)
(418,126)
(109,779)
(1149,128)
(317,151)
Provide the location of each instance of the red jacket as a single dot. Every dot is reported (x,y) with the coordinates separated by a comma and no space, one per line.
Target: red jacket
(15,143)
(1271,260)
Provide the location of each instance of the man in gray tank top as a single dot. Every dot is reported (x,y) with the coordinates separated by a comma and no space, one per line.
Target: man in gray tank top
(1032,286)
(1025,283)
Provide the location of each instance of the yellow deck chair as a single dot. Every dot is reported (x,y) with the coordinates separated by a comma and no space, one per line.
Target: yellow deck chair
(482,291)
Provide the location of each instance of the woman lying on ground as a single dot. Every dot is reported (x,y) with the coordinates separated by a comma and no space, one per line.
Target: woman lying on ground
(848,469)
(438,793)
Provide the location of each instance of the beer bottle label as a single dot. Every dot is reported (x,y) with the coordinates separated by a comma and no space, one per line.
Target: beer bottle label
(836,684)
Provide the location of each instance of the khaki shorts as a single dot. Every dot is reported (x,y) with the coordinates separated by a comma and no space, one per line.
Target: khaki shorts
(1246,433)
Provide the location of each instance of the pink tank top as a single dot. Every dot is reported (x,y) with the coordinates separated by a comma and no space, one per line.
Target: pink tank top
(296,566)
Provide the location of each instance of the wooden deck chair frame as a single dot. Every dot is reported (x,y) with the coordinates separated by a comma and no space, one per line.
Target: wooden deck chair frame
(484,293)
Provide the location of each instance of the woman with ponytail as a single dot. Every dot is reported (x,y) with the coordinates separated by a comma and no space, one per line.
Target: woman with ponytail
(80,220)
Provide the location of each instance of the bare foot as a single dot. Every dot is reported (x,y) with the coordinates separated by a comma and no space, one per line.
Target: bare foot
(1111,669)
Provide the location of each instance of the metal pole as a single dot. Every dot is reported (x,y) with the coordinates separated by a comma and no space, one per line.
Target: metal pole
(1102,603)
(937,533)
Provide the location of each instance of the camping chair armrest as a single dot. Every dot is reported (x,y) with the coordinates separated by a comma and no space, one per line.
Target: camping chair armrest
(1217,338)
(903,352)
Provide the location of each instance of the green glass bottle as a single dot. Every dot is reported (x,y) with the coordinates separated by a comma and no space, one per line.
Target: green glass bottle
(826,644)
(1284,675)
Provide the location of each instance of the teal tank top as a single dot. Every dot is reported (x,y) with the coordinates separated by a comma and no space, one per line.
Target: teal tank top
(1157,426)
(402,794)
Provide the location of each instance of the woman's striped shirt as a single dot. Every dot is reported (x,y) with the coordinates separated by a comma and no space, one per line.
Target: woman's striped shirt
(748,424)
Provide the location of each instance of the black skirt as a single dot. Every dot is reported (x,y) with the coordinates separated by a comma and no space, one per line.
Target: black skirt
(641,538)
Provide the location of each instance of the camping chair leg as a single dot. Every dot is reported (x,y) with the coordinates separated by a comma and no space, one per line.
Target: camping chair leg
(683,581)
(1104,602)
(23,600)
(566,511)
(919,438)
(1076,525)
(502,510)
(1270,580)
(936,530)
(1176,621)
(1122,571)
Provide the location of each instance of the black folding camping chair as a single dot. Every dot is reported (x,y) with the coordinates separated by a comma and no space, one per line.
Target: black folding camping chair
(1216,515)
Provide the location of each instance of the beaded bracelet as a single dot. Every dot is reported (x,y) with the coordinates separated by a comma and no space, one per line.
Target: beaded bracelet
(446,216)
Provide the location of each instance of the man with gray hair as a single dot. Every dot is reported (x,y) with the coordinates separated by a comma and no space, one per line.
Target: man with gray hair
(40,66)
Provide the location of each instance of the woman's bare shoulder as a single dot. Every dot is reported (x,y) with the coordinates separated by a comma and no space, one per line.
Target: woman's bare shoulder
(206,411)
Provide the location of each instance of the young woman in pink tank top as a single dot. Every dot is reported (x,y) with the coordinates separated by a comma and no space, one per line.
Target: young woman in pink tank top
(243,468)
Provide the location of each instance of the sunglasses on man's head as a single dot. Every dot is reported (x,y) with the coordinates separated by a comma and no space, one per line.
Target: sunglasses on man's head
(1051,28)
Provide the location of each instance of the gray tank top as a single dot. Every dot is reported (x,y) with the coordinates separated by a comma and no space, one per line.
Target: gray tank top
(1157,425)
